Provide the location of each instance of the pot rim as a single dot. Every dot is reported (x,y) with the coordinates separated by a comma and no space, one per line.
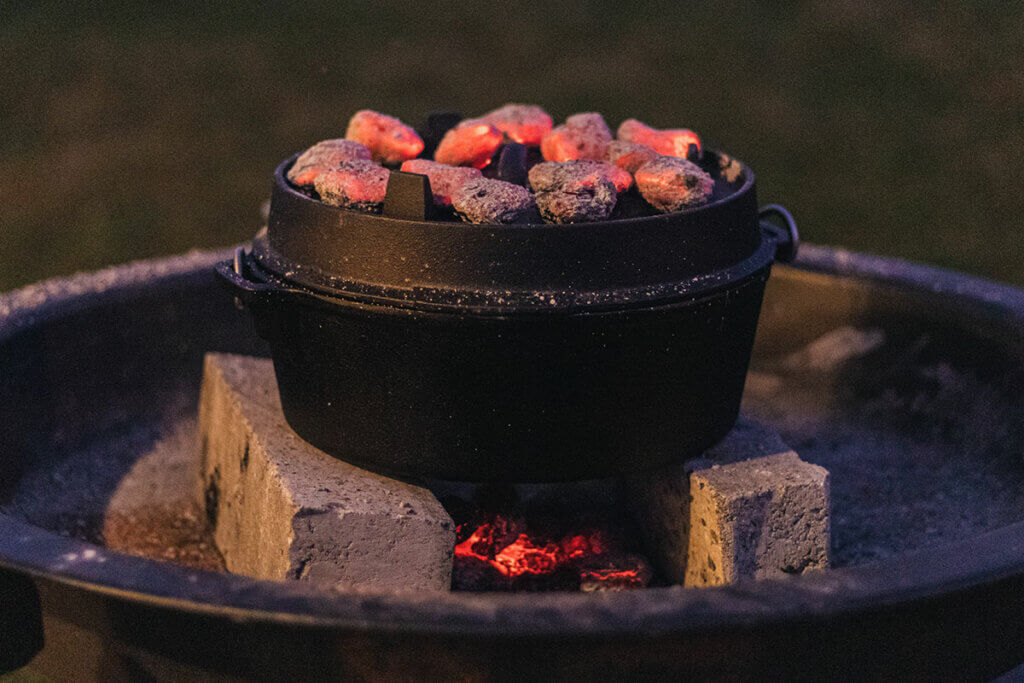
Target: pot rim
(315,287)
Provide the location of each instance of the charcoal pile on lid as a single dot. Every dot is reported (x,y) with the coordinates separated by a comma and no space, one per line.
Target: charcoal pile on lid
(536,172)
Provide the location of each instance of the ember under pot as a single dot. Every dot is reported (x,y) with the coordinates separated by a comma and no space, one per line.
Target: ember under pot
(510,352)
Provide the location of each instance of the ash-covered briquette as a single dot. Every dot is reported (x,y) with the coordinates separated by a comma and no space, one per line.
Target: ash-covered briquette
(582,136)
(359,185)
(471,143)
(444,179)
(388,139)
(728,167)
(673,142)
(523,123)
(554,175)
(671,184)
(577,191)
(492,201)
(325,155)
(629,156)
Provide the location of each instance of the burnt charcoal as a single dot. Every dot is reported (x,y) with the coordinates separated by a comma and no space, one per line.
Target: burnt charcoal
(576,191)
(359,185)
(325,155)
(629,156)
(671,184)
(582,136)
(616,574)
(670,142)
(388,139)
(471,143)
(556,550)
(523,123)
(492,201)
(444,179)
(551,176)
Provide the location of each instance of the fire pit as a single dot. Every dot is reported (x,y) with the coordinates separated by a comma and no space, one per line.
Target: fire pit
(902,380)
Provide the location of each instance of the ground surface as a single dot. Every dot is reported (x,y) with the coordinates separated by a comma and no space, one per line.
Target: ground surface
(128,131)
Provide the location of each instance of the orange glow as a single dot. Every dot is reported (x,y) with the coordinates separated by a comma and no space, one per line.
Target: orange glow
(523,123)
(671,142)
(565,143)
(505,546)
(629,156)
(389,140)
(353,184)
(524,556)
(444,180)
(471,143)
(622,179)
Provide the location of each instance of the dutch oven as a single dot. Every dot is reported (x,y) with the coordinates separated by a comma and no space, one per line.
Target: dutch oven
(510,352)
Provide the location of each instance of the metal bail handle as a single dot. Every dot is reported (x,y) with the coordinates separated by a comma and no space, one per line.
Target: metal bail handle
(787,237)
(246,291)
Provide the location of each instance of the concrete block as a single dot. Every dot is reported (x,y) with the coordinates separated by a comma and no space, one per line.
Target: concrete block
(749,508)
(282,509)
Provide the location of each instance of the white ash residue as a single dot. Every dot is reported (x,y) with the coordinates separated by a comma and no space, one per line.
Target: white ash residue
(60,290)
(833,349)
(923,447)
(492,201)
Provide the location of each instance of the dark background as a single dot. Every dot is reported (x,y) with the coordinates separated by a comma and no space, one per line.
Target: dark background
(129,131)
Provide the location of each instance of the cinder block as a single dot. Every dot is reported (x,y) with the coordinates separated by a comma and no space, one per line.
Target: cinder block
(749,508)
(282,509)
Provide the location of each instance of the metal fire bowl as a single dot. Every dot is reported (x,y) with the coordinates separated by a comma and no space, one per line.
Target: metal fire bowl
(89,354)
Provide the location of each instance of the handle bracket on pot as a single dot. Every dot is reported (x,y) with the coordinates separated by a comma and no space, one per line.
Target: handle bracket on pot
(786,236)
(251,289)
(234,273)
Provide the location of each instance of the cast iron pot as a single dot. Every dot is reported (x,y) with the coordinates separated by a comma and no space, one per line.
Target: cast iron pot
(509,352)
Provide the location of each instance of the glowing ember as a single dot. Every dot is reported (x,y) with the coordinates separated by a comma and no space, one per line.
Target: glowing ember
(523,123)
(582,136)
(616,579)
(502,554)
(444,179)
(354,185)
(325,155)
(388,139)
(673,142)
(471,143)
(629,156)
(671,184)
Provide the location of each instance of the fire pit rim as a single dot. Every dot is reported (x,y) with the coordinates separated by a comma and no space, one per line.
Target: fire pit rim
(977,564)
(980,565)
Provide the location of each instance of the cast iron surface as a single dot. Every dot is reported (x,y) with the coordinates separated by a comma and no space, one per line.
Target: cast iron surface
(955,610)
(335,250)
(523,353)
(520,397)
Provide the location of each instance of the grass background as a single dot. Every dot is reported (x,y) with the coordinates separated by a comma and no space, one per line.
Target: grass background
(138,129)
